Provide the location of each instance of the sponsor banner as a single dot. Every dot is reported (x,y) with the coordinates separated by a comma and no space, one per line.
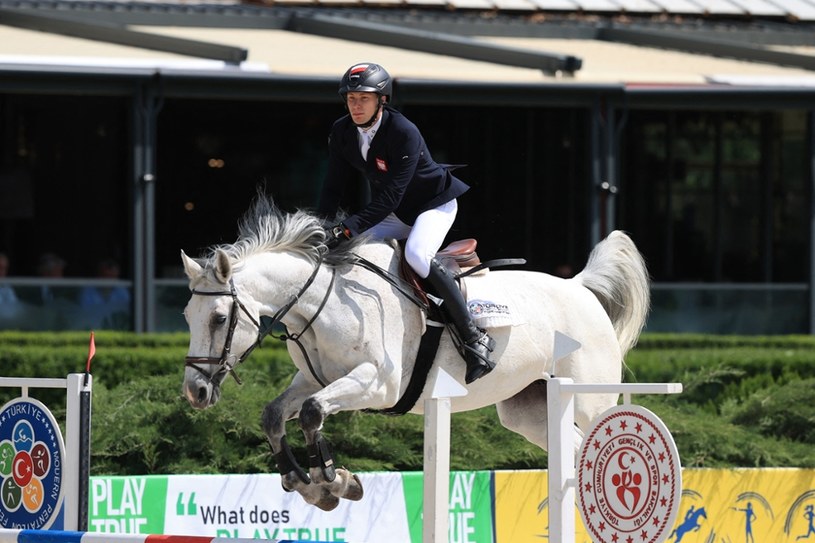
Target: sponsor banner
(522,508)
(775,505)
(470,506)
(244,507)
(127,505)
(769,505)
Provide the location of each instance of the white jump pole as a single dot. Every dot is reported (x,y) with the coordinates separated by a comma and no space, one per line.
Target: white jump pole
(560,393)
(436,492)
(560,432)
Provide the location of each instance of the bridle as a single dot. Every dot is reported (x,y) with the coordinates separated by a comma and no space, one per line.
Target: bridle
(224,366)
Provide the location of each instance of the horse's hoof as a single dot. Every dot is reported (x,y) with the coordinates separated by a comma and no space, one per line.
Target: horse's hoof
(327,501)
(354,490)
(347,485)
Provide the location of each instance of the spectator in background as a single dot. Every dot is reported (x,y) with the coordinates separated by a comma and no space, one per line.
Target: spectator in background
(50,266)
(103,295)
(106,305)
(8,298)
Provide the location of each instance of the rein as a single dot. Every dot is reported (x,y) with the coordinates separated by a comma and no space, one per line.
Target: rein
(223,362)
(394,280)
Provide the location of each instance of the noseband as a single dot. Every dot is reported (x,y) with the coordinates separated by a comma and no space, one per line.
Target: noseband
(223,362)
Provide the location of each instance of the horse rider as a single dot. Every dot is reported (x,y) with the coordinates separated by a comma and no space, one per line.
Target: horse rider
(412,197)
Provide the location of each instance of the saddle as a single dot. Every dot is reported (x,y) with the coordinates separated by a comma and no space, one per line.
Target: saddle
(460,257)
(456,256)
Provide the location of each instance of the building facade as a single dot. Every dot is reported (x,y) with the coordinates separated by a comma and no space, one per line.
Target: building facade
(133,163)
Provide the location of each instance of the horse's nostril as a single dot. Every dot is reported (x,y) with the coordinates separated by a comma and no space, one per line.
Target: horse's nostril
(202,394)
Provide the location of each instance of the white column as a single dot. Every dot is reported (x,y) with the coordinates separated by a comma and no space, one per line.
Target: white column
(561,433)
(435,508)
(437,412)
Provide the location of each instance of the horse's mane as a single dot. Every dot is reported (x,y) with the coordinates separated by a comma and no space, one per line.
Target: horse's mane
(264,227)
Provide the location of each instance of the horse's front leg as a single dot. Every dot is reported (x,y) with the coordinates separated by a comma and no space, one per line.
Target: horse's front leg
(362,388)
(275,415)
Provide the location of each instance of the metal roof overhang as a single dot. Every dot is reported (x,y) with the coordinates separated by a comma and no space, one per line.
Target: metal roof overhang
(112,33)
(218,85)
(432,42)
(721,98)
(322,25)
(235,85)
(357,29)
(530,88)
(704,45)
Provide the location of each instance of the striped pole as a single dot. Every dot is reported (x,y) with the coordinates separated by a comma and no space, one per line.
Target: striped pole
(57,536)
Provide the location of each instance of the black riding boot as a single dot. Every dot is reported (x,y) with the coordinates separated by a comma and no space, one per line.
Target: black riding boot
(477,344)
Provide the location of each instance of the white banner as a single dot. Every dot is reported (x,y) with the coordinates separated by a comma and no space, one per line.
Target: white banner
(257,507)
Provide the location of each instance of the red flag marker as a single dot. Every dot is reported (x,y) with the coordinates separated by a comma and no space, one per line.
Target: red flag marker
(91,352)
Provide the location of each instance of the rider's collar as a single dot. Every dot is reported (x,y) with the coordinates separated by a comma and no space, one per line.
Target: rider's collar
(370,132)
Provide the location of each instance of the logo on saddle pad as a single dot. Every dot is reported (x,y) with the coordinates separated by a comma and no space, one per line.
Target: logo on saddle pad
(483,308)
(630,479)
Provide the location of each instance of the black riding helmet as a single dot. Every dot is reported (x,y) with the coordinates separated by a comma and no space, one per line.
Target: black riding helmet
(367,77)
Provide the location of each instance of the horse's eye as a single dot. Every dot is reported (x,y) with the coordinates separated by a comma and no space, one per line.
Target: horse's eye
(219,319)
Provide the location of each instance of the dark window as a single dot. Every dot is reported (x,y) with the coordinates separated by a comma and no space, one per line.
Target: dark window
(212,157)
(527,169)
(64,181)
(717,196)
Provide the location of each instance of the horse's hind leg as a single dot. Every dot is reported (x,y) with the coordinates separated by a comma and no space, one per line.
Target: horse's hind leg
(526,414)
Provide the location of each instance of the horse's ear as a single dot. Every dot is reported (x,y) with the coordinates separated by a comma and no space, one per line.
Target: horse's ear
(192,268)
(223,266)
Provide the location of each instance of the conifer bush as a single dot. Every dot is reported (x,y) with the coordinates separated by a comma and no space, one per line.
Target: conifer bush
(747,402)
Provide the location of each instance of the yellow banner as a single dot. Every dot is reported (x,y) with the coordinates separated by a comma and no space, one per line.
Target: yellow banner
(718,505)
(522,508)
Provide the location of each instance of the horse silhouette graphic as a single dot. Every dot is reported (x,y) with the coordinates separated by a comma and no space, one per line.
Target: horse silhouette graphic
(690,524)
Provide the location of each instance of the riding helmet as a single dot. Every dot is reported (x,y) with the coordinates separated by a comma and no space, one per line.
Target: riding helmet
(366,77)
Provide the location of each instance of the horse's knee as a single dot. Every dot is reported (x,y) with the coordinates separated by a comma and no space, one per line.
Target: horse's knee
(311,415)
(272,418)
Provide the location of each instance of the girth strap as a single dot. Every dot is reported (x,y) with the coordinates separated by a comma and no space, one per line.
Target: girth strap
(428,347)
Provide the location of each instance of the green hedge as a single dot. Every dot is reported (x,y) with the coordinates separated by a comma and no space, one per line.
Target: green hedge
(747,401)
(120,356)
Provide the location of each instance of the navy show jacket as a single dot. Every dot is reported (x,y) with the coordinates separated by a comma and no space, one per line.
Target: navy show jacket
(404,178)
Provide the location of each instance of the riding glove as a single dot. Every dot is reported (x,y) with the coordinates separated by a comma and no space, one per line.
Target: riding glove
(336,234)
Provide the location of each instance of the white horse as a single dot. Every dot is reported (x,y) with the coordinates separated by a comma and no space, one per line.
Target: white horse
(355,335)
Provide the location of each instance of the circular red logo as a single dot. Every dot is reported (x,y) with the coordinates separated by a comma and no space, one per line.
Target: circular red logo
(629,478)
(22,468)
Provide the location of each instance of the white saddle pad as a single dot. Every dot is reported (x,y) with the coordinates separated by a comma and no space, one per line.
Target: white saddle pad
(489,304)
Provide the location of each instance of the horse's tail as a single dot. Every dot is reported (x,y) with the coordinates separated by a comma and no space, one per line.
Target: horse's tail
(617,275)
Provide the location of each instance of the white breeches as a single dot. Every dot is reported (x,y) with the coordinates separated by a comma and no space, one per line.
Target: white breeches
(424,238)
